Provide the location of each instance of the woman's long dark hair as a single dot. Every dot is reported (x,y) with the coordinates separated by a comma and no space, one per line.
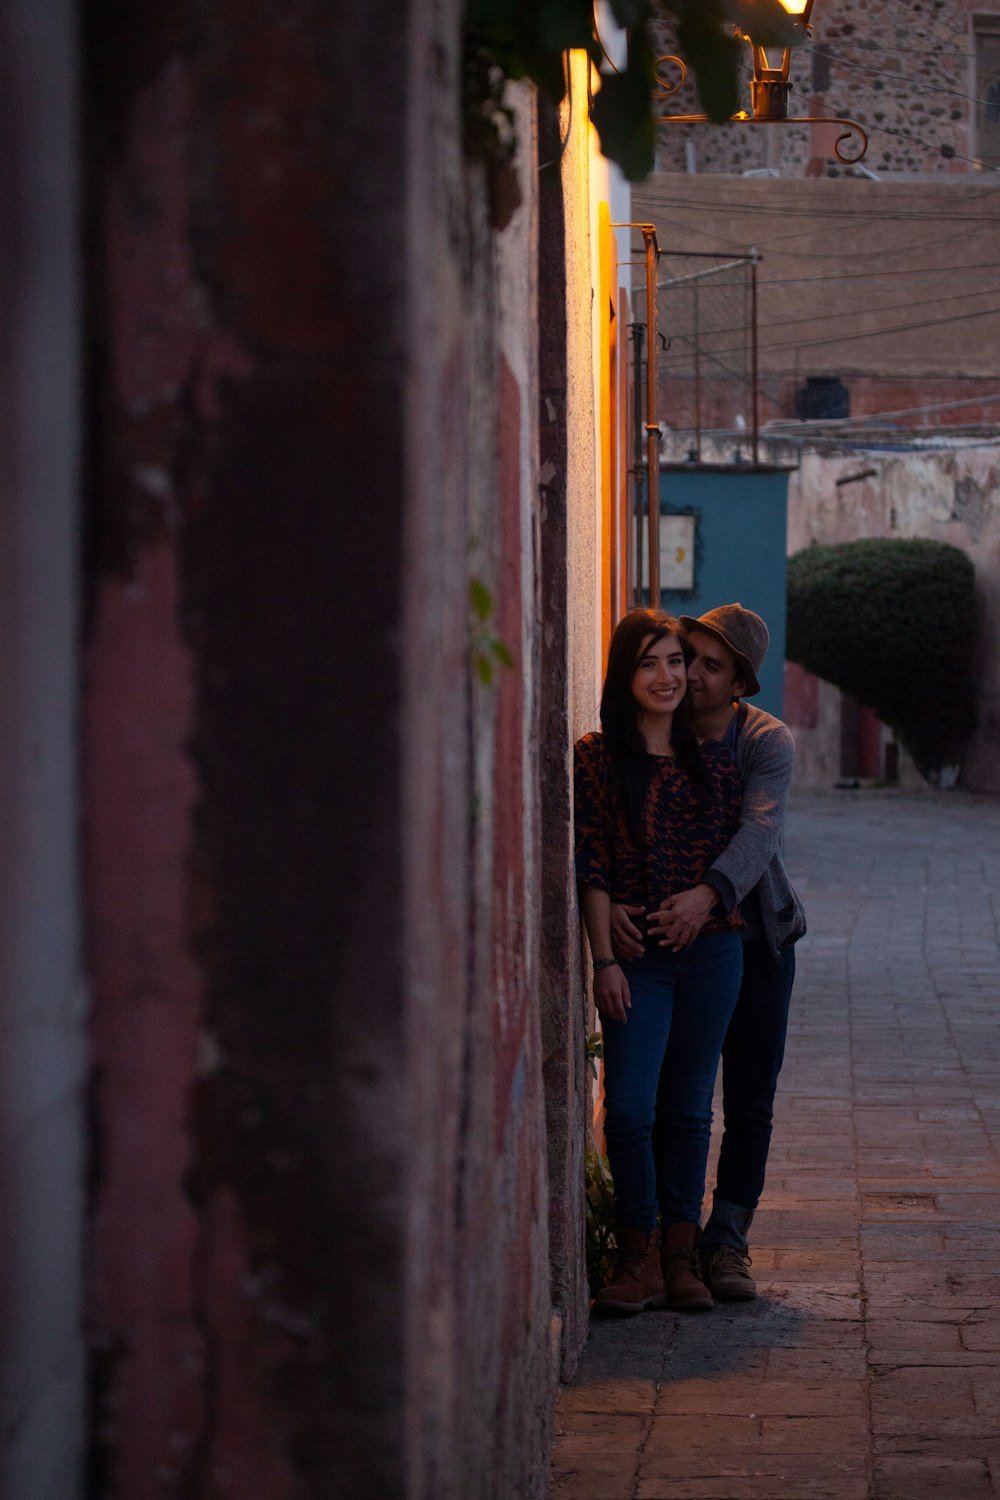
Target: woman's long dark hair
(631,760)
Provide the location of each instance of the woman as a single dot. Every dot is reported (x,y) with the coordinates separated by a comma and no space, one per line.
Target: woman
(652,812)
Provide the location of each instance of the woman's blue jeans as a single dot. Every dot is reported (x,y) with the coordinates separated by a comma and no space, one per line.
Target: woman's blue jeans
(688,998)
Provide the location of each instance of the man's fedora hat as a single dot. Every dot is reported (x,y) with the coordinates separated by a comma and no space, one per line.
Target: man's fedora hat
(743,632)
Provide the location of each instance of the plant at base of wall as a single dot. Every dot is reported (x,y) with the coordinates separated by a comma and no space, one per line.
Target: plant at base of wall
(893,623)
(600,1193)
(600,1242)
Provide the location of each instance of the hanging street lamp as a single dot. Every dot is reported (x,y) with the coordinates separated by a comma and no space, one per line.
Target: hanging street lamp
(769,87)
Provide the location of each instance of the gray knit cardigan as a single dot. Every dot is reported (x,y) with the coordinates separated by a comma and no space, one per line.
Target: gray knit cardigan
(765,756)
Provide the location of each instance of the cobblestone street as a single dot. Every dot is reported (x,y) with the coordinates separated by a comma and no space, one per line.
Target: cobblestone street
(869,1368)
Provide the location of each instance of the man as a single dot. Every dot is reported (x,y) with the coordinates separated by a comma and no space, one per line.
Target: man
(729,645)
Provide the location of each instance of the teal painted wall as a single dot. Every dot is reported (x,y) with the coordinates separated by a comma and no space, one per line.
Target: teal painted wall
(740,553)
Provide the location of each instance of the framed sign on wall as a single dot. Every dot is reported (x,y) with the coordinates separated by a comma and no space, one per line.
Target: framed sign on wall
(678,535)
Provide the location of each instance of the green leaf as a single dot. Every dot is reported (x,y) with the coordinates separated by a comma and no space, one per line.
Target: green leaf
(484,669)
(631,13)
(480,598)
(490,13)
(565,23)
(543,65)
(622,113)
(715,57)
(503,653)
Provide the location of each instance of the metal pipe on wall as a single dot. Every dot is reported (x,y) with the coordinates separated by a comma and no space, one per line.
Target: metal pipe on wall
(652,414)
(652,423)
(754,415)
(638,465)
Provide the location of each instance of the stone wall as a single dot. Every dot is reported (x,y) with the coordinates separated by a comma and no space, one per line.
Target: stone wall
(902,68)
(879,284)
(887,286)
(947,494)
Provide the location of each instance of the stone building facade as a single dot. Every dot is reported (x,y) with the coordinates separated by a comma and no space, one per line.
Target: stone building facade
(878,309)
(916,74)
(946,491)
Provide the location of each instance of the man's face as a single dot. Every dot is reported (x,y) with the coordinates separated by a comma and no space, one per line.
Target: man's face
(714,676)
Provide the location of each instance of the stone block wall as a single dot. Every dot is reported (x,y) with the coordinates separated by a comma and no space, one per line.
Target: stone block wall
(902,68)
(947,494)
(876,284)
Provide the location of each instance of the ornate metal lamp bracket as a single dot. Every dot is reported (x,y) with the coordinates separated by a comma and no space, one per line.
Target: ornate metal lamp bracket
(851,128)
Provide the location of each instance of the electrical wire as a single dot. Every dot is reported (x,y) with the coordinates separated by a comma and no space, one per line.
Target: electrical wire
(872,46)
(881,416)
(922,275)
(821,50)
(936,150)
(600,40)
(840,256)
(866,211)
(871,334)
(907,135)
(841,315)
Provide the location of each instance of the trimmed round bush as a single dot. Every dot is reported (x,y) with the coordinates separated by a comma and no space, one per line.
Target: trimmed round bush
(893,623)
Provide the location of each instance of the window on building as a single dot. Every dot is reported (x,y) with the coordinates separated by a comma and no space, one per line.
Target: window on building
(987,40)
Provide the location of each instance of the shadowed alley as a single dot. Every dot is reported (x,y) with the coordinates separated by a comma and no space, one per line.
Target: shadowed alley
(869,1368)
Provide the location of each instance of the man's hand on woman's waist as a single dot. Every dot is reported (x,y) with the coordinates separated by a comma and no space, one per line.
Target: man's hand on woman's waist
(680,919)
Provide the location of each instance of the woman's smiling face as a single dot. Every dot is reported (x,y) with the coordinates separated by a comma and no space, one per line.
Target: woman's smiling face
(660,677)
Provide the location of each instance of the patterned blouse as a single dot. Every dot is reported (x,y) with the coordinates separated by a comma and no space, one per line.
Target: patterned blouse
(682,839)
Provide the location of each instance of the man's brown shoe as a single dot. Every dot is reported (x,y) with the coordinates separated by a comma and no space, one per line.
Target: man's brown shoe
(638,1282)
(727,1275)
(686,1292)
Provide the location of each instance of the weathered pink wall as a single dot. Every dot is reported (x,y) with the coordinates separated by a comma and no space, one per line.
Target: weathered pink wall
(320,1222)
(138,793)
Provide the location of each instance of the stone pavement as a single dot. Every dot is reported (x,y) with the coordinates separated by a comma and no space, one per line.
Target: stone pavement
(869,1369)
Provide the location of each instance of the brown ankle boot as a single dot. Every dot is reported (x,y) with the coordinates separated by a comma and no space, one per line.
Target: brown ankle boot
(686,1292)
(638,1282)
(727,1275)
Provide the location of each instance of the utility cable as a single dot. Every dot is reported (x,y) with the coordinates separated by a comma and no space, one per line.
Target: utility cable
(870,334)
(844,313)
(922,274)
(906,135)
(840,256)
(880,416)
(821,50)
(866,212)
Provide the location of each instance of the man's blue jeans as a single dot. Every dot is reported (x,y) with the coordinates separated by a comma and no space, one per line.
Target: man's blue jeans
(689,998)
(751,1061)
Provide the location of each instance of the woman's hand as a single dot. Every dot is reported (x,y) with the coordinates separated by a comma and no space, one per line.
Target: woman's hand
(611,993)
(626,938)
